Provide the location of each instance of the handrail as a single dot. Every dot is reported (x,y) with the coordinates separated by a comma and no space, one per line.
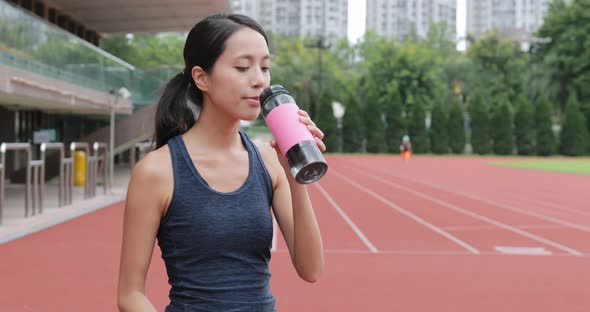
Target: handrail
(64,178)
(97,146)
(4,147)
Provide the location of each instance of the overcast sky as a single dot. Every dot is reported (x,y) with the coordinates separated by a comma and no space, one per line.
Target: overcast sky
(356,19)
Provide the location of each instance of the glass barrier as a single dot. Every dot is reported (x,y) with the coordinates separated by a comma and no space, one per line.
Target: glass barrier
(32,44)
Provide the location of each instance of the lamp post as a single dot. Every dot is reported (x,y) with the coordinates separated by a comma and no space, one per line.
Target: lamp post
(339,111)
(320,45)
(125,94)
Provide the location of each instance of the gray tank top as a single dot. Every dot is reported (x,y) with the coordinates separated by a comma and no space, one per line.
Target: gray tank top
(216,246)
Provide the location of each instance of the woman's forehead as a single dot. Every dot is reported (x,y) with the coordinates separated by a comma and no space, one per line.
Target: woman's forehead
(246,43)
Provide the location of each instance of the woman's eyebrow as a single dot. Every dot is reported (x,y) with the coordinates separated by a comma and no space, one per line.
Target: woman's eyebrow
(251,57)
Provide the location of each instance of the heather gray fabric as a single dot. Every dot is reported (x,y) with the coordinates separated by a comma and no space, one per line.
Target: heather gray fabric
(216,246)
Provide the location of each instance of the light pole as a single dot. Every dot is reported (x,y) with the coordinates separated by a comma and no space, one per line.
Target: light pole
(320,45)
(125,94)
(339,111)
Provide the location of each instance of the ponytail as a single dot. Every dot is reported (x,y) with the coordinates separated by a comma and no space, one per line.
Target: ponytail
(173,114)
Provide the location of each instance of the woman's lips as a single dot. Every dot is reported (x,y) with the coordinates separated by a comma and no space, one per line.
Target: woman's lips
(253,100)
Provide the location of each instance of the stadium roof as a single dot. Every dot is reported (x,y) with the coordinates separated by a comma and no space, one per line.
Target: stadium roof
(135,16)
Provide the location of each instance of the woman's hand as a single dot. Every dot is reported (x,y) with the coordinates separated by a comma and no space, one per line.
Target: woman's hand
(315,131)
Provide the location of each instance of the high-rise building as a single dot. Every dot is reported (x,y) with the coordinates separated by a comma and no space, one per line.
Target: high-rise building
(303,18)
(399,18)
(514,19)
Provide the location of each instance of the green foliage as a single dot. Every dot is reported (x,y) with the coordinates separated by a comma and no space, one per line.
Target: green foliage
(481,140)
(146,51)
(456,129)
(566,56)
(545,138)
(394,118)
(352,127)
(439,138)
(502,128)
(500,65)
(574,134)
(375,128)
(326,121)
(524,130)
(417,126)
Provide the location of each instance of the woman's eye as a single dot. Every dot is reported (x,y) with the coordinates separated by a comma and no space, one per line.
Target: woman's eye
(266,69)
(241,69)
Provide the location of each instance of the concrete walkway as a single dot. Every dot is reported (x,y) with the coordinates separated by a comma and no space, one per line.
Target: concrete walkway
(15,224)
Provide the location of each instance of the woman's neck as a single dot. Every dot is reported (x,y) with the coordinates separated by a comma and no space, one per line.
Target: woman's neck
(214,131)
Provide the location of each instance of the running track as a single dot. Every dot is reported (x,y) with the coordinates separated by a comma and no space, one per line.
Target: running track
(435,234)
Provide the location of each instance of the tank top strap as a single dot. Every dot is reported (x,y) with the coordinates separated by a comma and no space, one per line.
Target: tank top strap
(175,156)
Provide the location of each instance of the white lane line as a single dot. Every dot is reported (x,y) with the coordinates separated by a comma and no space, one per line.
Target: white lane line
(493,203)
(409,214)
(491,227)
(476,216)
(433,253)
(344,216)
(520,250)
(551,205)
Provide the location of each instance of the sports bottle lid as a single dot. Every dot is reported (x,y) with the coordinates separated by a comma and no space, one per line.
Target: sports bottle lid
(270,91)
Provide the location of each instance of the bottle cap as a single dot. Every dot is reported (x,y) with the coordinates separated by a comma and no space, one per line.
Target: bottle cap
(270,91)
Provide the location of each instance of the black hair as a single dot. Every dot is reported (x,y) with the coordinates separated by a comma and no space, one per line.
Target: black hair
(204,44)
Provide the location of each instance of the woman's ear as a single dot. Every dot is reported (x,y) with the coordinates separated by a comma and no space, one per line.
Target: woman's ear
(200,78)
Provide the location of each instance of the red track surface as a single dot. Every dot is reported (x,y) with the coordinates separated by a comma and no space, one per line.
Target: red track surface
(420,236)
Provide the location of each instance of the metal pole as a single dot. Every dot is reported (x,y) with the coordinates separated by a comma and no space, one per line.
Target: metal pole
(111,160)
(28,185)
(1,188)
(341,139)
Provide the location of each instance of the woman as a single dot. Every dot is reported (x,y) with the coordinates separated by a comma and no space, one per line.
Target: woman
(206,192)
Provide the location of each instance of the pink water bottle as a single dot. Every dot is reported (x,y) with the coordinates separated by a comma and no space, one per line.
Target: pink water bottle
(294,139)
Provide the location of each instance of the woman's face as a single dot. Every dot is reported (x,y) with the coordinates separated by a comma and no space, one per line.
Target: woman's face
(240,74)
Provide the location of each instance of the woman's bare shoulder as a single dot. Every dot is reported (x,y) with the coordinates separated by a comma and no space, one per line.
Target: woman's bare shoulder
(155,169)
(152,179)
(269,156)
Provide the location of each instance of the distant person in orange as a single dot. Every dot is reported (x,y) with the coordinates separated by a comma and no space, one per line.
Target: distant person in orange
(406,148)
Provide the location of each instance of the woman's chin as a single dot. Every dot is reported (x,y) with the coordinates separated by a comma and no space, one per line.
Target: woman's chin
(250,116)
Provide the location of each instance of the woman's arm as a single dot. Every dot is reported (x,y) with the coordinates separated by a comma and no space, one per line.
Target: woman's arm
(148,194)
(296,217)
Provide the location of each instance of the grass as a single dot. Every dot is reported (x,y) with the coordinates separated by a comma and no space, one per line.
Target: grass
(577,166)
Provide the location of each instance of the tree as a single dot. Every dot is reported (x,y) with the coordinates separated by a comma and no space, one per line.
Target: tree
(501,66)
(417,126)
(480,125)
(502,128)
(146,51)
(352,127)
(456,129)
(545,138)
(574,135)
(326,121)
(394,117)
(524,127)
(375,129)
(566,54)
(439,138)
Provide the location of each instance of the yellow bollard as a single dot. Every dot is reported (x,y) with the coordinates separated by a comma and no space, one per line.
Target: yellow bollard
(79,168)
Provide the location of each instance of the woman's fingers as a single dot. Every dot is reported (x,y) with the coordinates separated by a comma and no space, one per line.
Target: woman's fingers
(307,121)
(316,132)
(321,144)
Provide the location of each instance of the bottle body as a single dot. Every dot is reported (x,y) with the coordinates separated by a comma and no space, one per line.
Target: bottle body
(294,139)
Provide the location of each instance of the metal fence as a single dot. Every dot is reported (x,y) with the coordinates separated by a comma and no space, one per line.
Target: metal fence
(35,173)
